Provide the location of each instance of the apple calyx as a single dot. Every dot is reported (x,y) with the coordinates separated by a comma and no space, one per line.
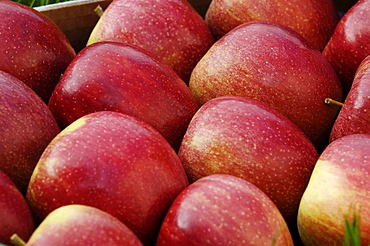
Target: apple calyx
(17,241)
(330,101)
(99,11)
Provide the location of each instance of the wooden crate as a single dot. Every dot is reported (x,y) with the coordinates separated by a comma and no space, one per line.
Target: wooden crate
(77,18)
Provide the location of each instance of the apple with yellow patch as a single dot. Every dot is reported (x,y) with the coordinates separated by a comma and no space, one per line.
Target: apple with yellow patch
(339,186)
(275,65)
(77,224)
(246,138)
(220,210)
(114,162)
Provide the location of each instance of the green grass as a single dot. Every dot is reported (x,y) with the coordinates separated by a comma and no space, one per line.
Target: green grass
(352,232)
(37,3)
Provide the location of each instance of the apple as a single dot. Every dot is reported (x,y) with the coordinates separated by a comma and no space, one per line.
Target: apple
(125,78)
(339,187)
(350,43)
(33,47)
(222,209)
(171,30)
(315,20)
(243,137)
(27,127)
(15,214)
(354,116)
(275,65)
(114,162)
(77,224)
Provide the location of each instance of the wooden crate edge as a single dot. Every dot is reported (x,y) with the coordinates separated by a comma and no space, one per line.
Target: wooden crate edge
(77,18)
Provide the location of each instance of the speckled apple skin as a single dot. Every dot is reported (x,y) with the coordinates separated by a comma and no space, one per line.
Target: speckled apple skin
(315,19)
(350,43)
(223,210)
(171,30)
(27,127)
(15,214)
(339,186)
(77,225)
(33,48)
(114,162)
(275,65)
(354,116)
(243,137)
(120,77)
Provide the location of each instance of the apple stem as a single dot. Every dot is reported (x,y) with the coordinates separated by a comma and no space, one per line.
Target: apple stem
(16,240)
(330,101)
(99,11)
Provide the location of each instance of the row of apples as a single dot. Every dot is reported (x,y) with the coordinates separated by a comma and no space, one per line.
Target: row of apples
(192,112)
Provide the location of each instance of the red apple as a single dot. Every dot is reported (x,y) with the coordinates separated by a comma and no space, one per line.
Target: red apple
(171,30)
(76,225)
(114,162)
(339,187)
(33,48)
(15,215)
(27,127)
(222,210)
(354,116)
(272,64)
(350,43)
(315,19)
(243,137)
(124,78)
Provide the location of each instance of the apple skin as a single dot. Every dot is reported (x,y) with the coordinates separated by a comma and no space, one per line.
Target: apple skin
(121,77)
(244,137)
(33,49)
(114,162)
(27,127)
(171,30)
(354,116)
(315,20)
(275,65)
(15,214)
(350,43)
(76,225)
(222,209)
(339,186)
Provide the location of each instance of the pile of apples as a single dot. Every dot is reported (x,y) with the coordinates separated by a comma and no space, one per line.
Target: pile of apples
(247,126)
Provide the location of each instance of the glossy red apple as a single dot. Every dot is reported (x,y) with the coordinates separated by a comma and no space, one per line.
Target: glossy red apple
(222,210)
(315,20)
(15,214)
(171,30)
(354,116)
(76,225)
(33,48)
(124,78)
(272,64)
(243,137)
(350,43)
(339,187)
(27,127)
(114,162)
